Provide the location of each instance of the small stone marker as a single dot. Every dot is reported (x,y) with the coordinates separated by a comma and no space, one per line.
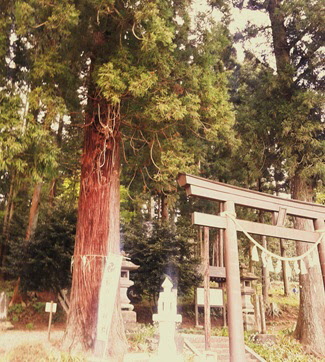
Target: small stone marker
(167,318)
(3,306)
(50,308)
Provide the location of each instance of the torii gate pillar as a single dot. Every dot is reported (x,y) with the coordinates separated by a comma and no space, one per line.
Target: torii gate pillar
(234,308)
(319,224)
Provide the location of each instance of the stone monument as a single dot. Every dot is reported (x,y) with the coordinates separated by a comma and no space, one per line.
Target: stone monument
(3,306)
(247,292)
(129,315)
(167,318)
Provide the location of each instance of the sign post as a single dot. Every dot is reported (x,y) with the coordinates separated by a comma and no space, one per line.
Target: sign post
(50,308)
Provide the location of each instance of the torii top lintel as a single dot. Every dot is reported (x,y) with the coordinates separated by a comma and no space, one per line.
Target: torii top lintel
(218,191)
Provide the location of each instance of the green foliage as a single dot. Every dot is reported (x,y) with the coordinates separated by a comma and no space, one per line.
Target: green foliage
(44,262)
(161,251)
(285,349)
(172,92)
(30,326)
(223,332)
(12,143)
(280,113)
(142,336)
(7,287)
(320,198)
(67,357)
(292,300)
(15,312)
(39,307)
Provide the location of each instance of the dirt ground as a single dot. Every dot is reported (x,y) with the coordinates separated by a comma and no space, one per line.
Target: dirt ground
(29,346)
(21,344)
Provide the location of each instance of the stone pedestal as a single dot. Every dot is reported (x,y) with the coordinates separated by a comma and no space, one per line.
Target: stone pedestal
(246,293)
(248,308)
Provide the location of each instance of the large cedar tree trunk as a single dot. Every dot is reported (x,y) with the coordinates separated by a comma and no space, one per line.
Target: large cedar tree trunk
(18,297)
(33,211)
(280,43)
(98,230)
(265,269)
(310,329)
(53,187)
(286,285)
(164,208)
(311,320)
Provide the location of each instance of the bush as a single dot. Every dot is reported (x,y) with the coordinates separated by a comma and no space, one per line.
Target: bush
(39,307)
(161,251)
(44,262)
(15,312)
(30,326)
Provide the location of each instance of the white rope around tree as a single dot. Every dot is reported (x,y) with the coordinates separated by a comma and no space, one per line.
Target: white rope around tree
(88,258)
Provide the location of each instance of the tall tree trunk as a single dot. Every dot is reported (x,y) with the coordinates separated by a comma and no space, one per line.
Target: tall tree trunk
(285,279)
(280,43)
(286,286)
(265,276)
(33,211)
(31,227)
(310,329)
(8,214)
(98,230)
(265,269)
(164,207)
(53,186)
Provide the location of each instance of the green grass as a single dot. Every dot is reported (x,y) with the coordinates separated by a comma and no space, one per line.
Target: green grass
(291,300)
(285,349)
(7,287)
(142,338)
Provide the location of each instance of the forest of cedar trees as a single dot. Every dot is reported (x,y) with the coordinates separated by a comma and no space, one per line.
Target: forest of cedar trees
(104,102)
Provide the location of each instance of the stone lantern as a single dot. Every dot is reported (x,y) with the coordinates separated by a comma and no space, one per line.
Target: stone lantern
(167,318)
(129,316)
(247,291)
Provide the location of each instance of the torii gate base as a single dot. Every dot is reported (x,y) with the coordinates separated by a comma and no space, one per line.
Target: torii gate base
(229,196)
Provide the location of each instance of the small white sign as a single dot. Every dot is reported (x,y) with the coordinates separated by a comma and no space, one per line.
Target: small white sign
(48,307)
(216,297)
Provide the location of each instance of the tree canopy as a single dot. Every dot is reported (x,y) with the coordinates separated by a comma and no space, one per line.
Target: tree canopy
(102,103)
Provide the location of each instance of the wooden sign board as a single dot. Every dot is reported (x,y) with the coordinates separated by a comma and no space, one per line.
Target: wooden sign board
(216,297)
(214,271)
(48,307)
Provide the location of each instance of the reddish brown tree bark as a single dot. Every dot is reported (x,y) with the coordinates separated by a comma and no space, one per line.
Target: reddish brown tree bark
(286,285)
(53,187)
(33,211)
(164,207)
(97,229)
(31,227)
(310,329)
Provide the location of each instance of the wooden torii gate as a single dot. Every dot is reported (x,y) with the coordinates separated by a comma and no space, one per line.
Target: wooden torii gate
(229,196)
